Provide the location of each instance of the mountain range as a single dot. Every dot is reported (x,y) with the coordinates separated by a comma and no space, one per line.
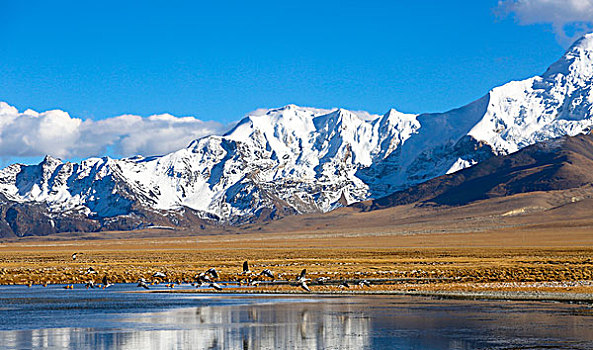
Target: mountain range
(560,164)
(296,160)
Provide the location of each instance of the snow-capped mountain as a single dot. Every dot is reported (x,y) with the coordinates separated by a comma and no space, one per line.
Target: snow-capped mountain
(296,160)
(507,119)
(280,161)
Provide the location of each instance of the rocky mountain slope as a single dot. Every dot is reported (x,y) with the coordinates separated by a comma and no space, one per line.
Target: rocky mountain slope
(560,164)
(296,160)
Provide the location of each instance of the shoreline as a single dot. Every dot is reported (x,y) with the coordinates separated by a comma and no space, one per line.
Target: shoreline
(458,295)
(478,295)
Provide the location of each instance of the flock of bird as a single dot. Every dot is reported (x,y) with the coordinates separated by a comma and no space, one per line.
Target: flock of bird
(208,279)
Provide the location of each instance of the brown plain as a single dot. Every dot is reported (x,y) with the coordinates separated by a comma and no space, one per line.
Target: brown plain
(519,242)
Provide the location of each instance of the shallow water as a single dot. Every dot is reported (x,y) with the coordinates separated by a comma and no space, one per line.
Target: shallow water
(52,317)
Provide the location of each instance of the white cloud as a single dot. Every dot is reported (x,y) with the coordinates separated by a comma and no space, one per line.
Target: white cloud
(569,18)
(33,134)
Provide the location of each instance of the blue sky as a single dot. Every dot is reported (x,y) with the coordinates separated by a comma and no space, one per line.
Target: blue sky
(220,60)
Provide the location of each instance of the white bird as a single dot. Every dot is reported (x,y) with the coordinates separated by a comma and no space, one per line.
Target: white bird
(159,275)
(302,280)
(304,285)
(215,286)
(302,277)
(142,283)
(364,283)
(75,255)
(90,271)
(90,284)
(212,271)
(203,277)
(322,280)
(267,273)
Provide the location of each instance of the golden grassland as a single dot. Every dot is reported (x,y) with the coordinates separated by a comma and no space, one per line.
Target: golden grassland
(550,259)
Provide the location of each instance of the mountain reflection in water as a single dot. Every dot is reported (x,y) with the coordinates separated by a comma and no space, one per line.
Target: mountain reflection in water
(281,324)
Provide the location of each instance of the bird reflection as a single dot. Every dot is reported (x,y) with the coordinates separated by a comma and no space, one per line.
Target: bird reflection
(304,319)
(252,314)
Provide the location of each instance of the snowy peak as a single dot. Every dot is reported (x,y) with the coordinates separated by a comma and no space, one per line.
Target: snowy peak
(308,134)
(577,61)
(560,102)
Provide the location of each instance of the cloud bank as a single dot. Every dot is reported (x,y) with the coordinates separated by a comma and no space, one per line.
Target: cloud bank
(55,132)
(569,18)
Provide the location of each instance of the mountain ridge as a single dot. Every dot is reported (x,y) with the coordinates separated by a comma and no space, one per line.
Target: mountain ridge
(295,160)
(565,163)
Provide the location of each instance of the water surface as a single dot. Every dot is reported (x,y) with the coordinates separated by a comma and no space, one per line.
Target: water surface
(52,317)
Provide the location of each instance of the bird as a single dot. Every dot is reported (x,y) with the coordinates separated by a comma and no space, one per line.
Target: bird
(159,275)
(212,271)
(302,276)
(364,283)
(322,280)
(302,280)
(203,277)
(303,284)
(106,283)
(267,273)
(75,255)
(90,284)
(215,286)
(90,271)
(254,283)
(142,283)
(246,270)
(344,284)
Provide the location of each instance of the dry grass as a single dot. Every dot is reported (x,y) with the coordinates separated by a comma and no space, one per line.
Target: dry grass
(505,259)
